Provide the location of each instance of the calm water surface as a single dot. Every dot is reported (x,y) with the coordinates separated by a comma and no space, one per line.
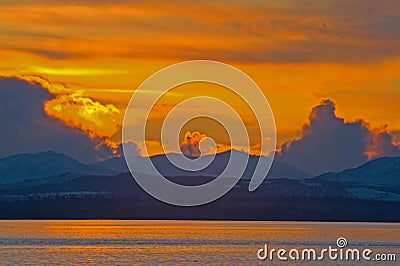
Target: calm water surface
(182,242)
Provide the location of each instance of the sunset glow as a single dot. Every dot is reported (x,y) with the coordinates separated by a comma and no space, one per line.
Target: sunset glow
(92,56)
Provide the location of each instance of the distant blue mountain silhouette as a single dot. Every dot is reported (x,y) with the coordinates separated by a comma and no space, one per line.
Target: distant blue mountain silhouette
(43,165)
(278,169)
(370,192)
(384,171)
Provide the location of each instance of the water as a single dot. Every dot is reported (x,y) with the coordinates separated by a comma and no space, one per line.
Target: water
(32,242)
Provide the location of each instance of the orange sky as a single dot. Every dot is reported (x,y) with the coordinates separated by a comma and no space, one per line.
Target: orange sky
(93,55)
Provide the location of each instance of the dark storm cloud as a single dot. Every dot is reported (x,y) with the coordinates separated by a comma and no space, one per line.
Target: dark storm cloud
(328,143)
(25,126)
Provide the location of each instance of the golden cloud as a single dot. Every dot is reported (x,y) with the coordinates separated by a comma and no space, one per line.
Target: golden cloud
(98,120)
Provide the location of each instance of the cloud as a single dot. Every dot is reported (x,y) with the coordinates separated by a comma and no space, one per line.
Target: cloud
(396,137)
(264,31)
(96,119)
(328,143)
(132,146)
(382,143)
(82,112)
(190,145)
(26,127)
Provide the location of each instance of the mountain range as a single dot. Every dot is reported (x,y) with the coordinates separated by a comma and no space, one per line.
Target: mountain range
(44,166)
(51,185)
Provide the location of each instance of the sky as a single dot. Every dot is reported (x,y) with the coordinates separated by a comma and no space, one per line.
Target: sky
(90,56)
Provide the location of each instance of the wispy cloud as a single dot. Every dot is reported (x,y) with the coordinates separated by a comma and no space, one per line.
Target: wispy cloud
(75,71)
(289,31)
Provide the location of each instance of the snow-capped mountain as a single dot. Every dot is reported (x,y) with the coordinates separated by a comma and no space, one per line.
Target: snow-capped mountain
(370,192)
(381,172)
